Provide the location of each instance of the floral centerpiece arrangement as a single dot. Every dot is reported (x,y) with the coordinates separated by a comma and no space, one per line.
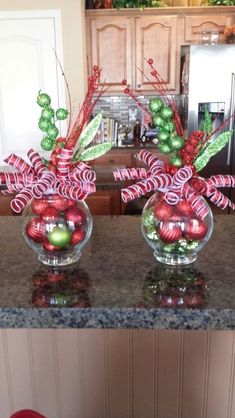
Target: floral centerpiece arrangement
(57,221)
(229,33)
(176,221)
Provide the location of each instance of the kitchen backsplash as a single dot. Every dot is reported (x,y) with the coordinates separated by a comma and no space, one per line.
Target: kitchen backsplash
(124,110)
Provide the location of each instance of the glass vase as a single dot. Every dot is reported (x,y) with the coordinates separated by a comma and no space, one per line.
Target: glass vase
(175,232)
(56,228)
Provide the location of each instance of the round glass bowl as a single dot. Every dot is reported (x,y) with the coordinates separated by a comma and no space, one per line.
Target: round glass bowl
(57,228)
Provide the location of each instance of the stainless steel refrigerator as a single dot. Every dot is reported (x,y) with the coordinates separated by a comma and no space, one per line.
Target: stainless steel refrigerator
(208,80)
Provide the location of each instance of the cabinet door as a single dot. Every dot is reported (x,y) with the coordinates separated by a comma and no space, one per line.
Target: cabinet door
(156,38)
(195,25)
(110,47)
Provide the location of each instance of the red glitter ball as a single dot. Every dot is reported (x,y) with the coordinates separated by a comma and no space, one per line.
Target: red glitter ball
(163,210)
(59,203)
(77,236)
(169,232)
(184,208)
(36,230)
(49,213)
(195,229)
(75,215)
(39,205)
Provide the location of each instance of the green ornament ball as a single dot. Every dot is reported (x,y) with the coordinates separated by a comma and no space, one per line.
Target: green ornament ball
(163,135)
(60,237)
(43,99)
(166,112)
(47,144)
(176,143)
(165,148)
(176,160)
(157,121)
(169,126)
(44,124)
(47,113)
(155,104)
(61,113)
(53,132)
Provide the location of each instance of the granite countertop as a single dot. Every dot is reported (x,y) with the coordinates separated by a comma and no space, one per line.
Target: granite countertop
(117,282)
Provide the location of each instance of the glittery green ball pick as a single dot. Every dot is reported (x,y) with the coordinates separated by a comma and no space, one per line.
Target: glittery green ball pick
(163,135)
(166,112)
(165,148)
(47,113)
(53,132)
(44,124)
(47,144)
(169,126)
(43,99)
(158,121)
(176,160)
(61,113)
(155,104)
(176,143)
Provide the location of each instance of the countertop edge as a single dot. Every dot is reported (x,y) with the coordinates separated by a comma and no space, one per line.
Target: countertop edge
(135,318)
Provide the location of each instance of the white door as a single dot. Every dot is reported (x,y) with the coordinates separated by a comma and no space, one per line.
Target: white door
(28,64)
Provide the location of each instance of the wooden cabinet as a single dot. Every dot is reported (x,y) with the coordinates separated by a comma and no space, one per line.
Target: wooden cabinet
(156,38)
(110,47)
(194,25)
(120,42)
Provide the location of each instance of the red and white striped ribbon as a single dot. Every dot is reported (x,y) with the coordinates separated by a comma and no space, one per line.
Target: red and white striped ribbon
(37,162)
(82,172)
(21,200)
(63,164)
(130,174)
(18,163)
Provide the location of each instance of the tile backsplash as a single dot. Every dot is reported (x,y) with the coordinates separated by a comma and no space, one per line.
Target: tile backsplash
(123,109)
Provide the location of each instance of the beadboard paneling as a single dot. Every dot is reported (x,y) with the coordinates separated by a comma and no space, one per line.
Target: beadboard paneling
(118,373)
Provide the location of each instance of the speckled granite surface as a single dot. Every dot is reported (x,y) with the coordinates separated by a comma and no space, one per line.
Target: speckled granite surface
(118,283)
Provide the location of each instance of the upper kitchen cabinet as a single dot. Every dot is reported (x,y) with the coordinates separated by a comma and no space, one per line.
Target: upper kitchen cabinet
(212,18)
(119,44)
(156,38)
(109,42)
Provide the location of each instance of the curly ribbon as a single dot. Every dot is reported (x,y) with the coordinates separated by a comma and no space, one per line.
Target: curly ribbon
(174,187)
(35,180)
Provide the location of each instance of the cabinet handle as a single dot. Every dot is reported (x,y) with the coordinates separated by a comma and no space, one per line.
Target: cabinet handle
(138,85)
(111,161)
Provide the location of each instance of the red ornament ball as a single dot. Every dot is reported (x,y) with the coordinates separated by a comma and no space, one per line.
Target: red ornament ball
(36,229)
(163,210)
(75,215)
(49,214)
(77,236)
(39,205)
(49,247)
(184,208)
(169,232)
(59,203)
(195,229)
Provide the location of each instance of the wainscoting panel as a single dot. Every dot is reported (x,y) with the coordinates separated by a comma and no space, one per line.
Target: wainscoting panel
(118,373)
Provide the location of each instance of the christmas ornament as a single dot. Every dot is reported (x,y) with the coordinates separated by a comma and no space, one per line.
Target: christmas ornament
(169,232)
(75,216)
(50,247)
(59,237)
(39,206)
(36,230)
(77,236)
(183,207)
(59,203)
(163,211)
(195,229)
(49,213)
